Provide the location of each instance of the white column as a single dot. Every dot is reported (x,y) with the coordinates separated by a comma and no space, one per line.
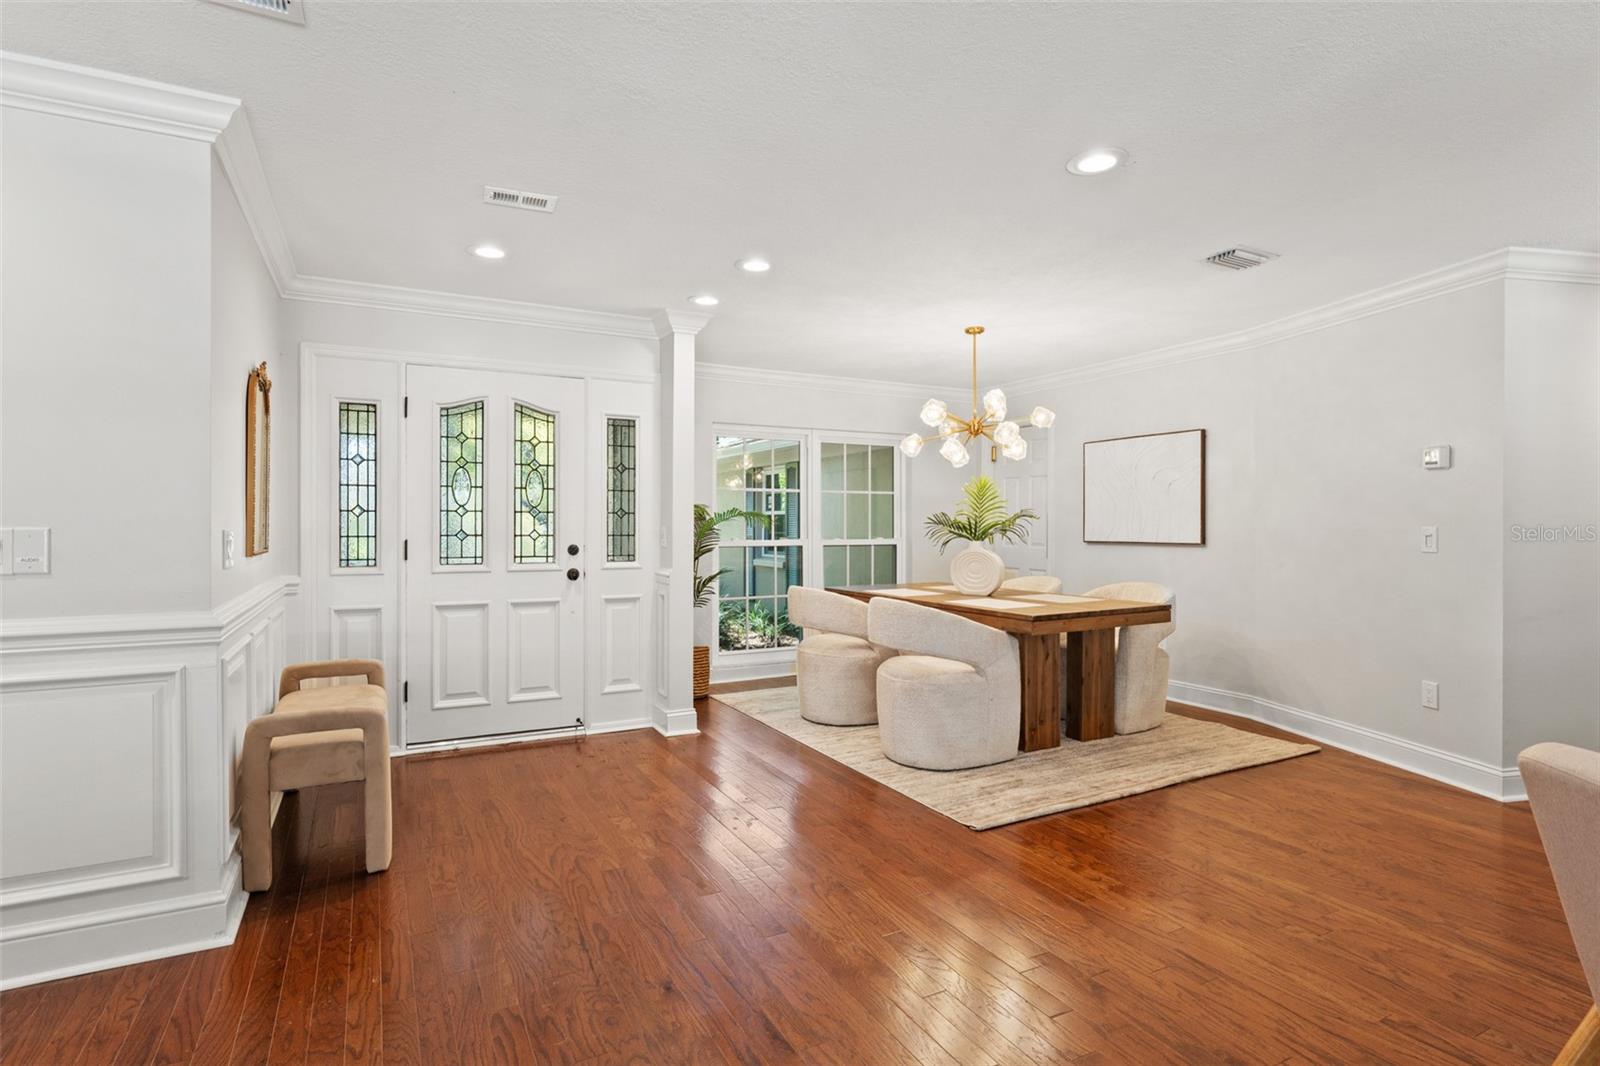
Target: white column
(674,712)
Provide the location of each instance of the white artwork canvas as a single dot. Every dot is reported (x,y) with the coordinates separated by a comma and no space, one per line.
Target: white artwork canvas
(1149,489)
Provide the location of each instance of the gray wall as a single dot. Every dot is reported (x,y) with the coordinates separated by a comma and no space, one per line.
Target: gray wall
(1311,590)
(1552,506)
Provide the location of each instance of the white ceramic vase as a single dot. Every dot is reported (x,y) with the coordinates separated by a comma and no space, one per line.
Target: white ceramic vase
(976,570)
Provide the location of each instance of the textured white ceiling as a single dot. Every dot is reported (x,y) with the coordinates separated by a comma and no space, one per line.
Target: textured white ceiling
(902,165)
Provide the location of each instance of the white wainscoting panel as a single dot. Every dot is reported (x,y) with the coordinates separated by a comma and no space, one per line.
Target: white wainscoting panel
(533,642)
(98,759)
(663,638)
(119,738)
(235,676)
(460,654)
(621,632)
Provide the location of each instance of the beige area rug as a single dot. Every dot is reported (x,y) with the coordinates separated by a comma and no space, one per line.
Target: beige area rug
(1074,775)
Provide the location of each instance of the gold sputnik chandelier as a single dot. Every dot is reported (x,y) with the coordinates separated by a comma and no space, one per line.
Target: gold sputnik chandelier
(987,422)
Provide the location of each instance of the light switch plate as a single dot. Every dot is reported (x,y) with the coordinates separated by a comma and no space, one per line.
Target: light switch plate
(30,550)
(1430,539)
(1436,457)
(1430,695)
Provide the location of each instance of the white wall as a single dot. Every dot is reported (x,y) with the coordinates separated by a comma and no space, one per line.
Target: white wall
(104,395)
(1311,591)
(334,324)
(123,693)
(245,330)
(1552,461)
(792,402)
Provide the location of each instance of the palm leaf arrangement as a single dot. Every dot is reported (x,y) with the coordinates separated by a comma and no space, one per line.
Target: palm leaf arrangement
(981,518)
(707,536)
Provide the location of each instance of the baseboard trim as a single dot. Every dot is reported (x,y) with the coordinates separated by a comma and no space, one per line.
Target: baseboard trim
(1451,769)
(151,931)
(681,722)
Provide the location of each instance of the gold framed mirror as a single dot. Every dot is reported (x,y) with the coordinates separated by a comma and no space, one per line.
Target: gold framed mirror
(257,460)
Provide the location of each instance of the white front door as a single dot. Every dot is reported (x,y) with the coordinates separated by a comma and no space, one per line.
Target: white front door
(495,509)
(1026,483)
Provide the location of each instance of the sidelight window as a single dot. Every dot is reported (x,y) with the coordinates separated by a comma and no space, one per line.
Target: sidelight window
(358,485)
(621,496)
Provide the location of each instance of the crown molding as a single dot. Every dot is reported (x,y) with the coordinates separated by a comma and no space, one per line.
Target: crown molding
(241,165)
(666,323)
(1523,264)
(795,379)
(458,305)
(1552,264)
(33,84)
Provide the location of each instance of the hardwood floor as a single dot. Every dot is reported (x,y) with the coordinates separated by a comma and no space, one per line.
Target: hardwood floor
(735,897)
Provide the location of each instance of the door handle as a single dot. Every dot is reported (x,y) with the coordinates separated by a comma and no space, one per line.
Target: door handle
(572,549)
(574,574)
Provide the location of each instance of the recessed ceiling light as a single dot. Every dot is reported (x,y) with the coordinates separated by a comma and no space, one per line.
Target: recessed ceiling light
(1097,161)
(755,265)
(704,300)
(488,251)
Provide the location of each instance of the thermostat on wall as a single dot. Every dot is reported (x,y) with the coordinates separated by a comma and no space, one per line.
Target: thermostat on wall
(1436,457)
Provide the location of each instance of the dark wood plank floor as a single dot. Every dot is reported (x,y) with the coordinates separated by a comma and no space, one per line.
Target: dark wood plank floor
(734,897)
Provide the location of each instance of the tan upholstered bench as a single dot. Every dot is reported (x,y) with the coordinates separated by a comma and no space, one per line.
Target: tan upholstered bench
(317,736)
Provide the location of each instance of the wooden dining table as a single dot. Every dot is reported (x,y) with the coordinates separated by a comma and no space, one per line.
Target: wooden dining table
(1073,680)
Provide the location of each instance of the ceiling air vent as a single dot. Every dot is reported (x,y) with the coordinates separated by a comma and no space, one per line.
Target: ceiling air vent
(1240,258)
(287,10)
(527,201)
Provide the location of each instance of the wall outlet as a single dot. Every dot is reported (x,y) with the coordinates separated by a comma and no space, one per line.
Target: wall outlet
(1430,695)
(1430,539)
(227,549)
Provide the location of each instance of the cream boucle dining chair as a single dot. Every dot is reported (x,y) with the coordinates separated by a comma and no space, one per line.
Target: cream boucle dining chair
(952,698)
(836,668)
(1143,667)
(1564,791)
(1031,583)
(317,736)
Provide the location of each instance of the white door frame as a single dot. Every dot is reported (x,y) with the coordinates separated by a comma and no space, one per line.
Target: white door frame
(641,403)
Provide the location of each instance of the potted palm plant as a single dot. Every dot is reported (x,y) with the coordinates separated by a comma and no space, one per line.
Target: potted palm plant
(707,536)
(980,519)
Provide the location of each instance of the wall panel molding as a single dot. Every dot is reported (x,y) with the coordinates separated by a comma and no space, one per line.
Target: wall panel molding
(136,717)
(136,858)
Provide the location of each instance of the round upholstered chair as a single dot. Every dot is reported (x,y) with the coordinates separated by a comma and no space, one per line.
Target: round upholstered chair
(1143,667)
(836,668)
(1031,583)
(952,698)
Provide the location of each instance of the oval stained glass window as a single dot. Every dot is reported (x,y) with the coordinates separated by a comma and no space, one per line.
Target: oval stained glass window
(533,490)
(461,487)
